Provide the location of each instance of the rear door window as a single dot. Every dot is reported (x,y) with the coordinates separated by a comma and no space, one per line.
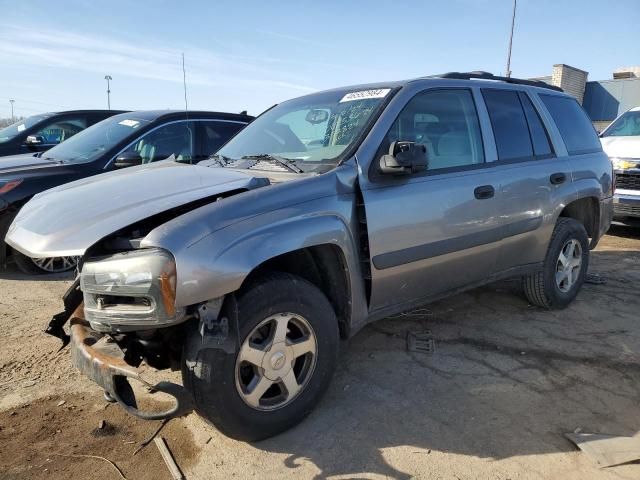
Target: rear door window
(576,129)
(539,138)
(509,124)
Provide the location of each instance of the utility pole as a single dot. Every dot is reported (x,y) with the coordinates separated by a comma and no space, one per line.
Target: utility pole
(513,23)
(12,117)
(108,79)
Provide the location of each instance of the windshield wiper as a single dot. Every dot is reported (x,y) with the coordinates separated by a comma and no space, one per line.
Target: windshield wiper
(284,162)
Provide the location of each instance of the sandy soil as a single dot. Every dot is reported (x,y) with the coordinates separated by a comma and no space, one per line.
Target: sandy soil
(493,401)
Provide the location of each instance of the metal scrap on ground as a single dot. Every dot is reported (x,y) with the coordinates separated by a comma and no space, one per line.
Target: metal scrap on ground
(420,342)
(607,450)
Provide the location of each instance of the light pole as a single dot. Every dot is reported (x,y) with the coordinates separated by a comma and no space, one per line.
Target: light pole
(108,79)
(12,117)
(513,23)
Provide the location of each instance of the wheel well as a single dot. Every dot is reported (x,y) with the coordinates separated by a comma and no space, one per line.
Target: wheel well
(586,211)
(322,265)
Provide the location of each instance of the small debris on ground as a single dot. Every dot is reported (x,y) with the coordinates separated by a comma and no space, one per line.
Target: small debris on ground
(595,279)
(607,450)
(171,464)
(61,402)
(420,342)
(101,424)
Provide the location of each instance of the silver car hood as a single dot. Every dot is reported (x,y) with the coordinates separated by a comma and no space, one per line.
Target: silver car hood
(66,220)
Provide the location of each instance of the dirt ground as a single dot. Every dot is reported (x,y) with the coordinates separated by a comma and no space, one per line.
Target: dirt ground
(505,382)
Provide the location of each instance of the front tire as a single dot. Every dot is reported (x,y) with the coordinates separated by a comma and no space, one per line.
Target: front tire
(288,348)
(565,267)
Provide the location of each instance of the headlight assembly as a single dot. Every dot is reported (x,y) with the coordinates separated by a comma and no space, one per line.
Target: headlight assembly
(132,290)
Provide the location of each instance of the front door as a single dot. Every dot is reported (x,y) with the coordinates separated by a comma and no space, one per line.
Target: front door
(438,230)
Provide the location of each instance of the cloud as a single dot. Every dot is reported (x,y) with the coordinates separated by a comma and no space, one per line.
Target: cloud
(82,52)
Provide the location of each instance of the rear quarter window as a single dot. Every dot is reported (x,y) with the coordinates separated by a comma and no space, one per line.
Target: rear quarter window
(576,129)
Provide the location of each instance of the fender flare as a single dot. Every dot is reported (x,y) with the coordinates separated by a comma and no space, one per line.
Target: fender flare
(233,255)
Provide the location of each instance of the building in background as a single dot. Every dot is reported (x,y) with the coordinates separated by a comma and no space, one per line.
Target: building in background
(603,100)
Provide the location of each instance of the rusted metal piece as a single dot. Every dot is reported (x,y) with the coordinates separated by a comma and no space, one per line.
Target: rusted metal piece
(72,298)
(104,363)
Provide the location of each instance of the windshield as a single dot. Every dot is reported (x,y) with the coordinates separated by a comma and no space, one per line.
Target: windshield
(20,126)
(628,125)
(91,143)
(310,133)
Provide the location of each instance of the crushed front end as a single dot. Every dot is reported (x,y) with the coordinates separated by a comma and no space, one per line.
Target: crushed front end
(121,313)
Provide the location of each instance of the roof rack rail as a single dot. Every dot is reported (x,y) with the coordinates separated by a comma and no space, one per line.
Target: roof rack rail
(488,76)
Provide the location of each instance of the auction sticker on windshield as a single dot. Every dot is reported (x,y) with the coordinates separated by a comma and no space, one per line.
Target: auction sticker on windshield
(364,94)
(129,123)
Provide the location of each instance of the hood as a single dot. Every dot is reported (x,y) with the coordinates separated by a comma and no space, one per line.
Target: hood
(621,147)
(20,163)
(66,220)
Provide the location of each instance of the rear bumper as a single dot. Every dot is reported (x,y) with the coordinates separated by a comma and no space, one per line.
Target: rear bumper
(626,204)
(103,361)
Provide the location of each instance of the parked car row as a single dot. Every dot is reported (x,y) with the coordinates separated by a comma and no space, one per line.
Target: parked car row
(325,213)
(122,140)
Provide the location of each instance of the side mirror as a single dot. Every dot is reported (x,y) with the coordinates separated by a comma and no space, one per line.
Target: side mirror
(404,158)
(128,159)
(34,140)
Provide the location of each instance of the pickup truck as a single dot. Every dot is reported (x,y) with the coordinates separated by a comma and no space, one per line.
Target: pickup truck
(326,213)
(621,141)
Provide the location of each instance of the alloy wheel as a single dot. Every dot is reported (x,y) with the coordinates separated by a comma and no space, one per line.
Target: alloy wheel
(568,265)
(276,361)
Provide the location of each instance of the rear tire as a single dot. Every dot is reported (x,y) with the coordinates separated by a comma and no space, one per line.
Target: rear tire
(287,352)
(565,267)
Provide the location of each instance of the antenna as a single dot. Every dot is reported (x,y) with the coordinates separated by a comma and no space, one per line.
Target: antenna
(184,83)
(513,23)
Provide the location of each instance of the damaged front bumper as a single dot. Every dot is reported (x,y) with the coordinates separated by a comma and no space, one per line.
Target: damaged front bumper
(101,359)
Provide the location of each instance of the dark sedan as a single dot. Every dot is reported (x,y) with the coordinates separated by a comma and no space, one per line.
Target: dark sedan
(39,133)
(120,141)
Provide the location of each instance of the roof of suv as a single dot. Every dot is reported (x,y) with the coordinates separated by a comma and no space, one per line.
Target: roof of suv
(458,78)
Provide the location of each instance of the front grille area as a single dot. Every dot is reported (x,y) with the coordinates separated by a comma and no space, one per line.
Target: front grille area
(628,181)
(626,209)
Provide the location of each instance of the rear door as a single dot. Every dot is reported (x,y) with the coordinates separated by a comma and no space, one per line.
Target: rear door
(438,230)
(532,176)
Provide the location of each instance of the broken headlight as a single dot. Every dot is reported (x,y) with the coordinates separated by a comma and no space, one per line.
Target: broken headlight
(132,290)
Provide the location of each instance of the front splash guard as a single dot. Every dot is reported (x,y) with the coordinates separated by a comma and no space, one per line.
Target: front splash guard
(103,362)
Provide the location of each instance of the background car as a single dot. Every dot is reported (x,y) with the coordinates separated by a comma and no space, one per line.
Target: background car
(120,141)
(39,133)
(621,141)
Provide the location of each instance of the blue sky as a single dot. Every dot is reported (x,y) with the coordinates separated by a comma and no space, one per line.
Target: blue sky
(246,54)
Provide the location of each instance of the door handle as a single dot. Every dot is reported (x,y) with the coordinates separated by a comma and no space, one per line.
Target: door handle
(484,191)
(557,178)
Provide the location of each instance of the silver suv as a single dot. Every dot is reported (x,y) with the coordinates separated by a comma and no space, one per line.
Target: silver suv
(326,213)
